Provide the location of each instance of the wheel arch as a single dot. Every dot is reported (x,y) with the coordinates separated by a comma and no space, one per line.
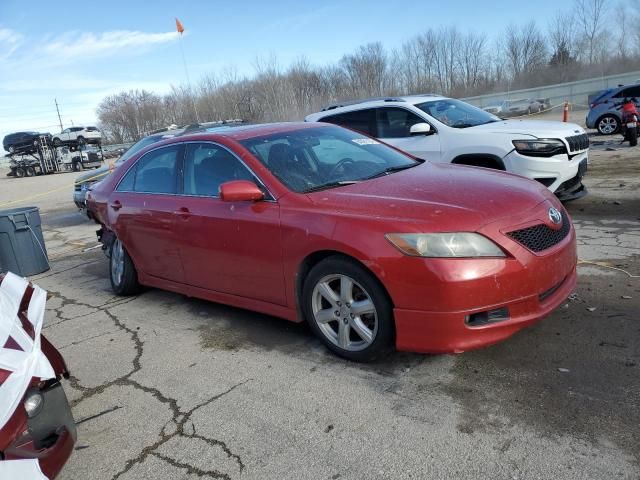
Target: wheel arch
(476,160)
(313,258)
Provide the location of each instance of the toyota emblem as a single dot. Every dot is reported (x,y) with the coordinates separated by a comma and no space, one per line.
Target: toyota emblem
(555,216)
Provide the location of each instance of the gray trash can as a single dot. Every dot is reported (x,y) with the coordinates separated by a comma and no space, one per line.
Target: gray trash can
(22,249)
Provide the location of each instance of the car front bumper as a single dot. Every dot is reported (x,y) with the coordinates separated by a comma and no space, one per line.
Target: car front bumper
(447,332)
(435,298)
(49,436)
(551,172)
(80,199)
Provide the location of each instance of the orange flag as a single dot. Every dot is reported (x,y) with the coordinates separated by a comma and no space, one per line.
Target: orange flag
(179,26)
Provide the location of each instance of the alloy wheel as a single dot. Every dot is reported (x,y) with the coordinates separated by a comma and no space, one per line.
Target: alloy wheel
(344,312)
(608,125)
(117,262)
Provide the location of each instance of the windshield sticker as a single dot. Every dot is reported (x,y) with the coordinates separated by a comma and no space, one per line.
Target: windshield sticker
(365,141)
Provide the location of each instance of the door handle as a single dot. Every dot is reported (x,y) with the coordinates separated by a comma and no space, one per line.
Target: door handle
(183,212)
(116,205)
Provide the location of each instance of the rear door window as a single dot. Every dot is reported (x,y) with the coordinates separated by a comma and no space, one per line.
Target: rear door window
(395,122)
(362,121)
(156,172)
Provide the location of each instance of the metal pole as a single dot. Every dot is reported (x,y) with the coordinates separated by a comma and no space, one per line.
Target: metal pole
(58,110)
(186,71)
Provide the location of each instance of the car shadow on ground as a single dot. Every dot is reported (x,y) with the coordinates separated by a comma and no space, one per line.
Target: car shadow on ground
(225,328)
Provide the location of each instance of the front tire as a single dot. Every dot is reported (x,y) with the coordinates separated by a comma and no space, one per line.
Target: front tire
(57,142)
(348,309)
(122,272)
(81,141)
(20,172)
(608,125)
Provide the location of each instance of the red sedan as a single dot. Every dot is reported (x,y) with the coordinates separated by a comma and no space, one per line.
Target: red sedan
(371,246)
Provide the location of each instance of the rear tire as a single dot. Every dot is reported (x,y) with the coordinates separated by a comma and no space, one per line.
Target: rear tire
(81,141)
(122,272)
(20,172)
(57,142)
(30,171)
(348,309)
(77,166)
(632,134)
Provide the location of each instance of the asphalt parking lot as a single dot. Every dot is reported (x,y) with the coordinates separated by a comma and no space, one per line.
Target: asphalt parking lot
(165,386)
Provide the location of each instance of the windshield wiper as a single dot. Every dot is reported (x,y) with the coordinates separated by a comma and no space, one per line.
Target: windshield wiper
(389,170)
(324,186)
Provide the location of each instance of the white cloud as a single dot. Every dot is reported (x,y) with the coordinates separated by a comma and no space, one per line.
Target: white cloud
(10,40)
(79,45)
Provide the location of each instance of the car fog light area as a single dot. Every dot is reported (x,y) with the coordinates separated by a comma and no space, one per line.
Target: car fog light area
(489,316)
(33,403)
(445,245)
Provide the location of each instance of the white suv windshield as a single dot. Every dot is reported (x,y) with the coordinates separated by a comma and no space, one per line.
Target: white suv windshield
(456,114)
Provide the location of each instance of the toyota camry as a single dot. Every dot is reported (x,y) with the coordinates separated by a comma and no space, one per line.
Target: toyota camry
(310,222)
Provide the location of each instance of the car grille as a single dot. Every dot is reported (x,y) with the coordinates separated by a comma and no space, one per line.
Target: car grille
(578,143)
(540,237)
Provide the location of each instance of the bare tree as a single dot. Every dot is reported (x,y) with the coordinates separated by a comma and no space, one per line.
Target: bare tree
(366,69)
(622,15)
(525,49)
(590,15)
(472,60)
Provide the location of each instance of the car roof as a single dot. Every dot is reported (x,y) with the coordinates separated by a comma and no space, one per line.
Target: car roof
(245,132)
(403,100)
(237,132)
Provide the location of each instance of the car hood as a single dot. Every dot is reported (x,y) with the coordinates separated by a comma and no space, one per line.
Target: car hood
(531,128)
(93,175)
(447,197)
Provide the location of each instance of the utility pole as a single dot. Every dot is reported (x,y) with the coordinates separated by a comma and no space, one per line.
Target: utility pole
(58,110)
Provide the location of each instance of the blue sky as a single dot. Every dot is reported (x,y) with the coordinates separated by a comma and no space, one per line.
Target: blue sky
(81,52)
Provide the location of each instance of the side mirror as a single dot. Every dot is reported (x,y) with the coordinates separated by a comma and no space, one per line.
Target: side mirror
(420,129)
(240,191)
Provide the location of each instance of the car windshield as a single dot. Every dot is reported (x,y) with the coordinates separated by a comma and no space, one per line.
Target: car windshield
(457,114)
(325,157)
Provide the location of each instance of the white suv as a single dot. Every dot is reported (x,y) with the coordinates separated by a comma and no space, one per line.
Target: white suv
(77,136)
(442,129)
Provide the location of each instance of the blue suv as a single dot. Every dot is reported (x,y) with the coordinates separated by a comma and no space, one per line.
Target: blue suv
(605,113)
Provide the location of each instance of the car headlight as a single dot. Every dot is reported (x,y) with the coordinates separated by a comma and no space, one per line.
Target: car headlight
(445,245)
(33,403)
(543,147)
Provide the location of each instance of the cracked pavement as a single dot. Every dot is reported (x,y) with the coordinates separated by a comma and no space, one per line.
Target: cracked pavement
(165,386)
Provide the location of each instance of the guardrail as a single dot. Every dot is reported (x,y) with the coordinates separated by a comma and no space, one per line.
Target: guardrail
(577,93)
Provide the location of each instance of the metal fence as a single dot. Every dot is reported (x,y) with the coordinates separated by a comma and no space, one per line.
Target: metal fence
(577,93)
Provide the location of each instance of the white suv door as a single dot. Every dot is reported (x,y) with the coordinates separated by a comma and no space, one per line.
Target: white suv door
(64,135)
(393,126)
(73,133)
